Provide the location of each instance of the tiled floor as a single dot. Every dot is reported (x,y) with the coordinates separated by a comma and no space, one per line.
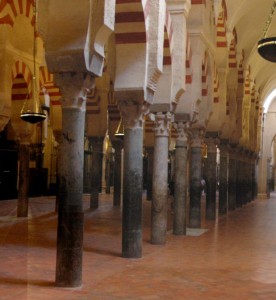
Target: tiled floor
(234,259)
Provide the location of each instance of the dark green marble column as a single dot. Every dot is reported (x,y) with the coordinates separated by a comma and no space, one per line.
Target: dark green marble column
(96,169)
(118,145)
(195,177)
(23,188)
(223,179)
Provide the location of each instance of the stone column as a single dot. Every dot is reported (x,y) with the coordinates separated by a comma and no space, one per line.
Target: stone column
(159,208)
(150,151)
(223,179)
(23,189)
(73,87)
(96,169)
(117,144)
(211,180)
(232,181)
(195,177)
(58,138)
(180,177)
(132,114)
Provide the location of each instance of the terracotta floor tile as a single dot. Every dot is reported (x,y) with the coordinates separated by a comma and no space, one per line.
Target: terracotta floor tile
(233,259)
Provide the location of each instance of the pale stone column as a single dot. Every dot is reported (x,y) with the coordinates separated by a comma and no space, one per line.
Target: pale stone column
(159,208)
(117,144)
(96,169)
(23,188)
(232,181)
(195,177)
(133,116)
(210,179)
(150,151)
(240,178)
(223,179)
(180,180)
(73,87)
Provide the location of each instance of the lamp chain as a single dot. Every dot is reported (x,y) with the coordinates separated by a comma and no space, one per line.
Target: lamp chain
(34,46)
(268,22)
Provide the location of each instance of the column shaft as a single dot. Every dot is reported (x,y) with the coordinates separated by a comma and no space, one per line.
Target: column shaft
(23,190)
(70,213)
(195,187)
(150,151)
(96,170)
(132,194)
(180,188)
(117,174)
(223,182)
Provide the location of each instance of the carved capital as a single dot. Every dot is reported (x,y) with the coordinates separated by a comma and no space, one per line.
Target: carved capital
(211,145)
(133,113)
(74,88)
(182,134)
(162,124)
(196,136)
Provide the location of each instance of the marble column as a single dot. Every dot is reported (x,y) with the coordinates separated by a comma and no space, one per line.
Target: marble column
(133,118)
(180,177)
(73,88)
(96,169)
(195,177)
(232,181)
(117,144)
(159,208)
(58,138)
(150,151)
(23,188)
(210,179)
(223,179)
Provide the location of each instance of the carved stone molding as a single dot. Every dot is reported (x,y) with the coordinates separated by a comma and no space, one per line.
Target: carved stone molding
(133,113)
(162,124)
(74,88)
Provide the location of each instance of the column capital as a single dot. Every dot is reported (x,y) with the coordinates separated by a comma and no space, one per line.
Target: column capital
(211,144)
(162,123)
(179,6)
(133,113)
(182,134)
(196,136)
(74,88)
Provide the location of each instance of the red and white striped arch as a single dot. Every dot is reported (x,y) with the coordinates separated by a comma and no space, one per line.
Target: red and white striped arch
(10,9)
(221,27)
(46,80)
(131,21)
(21,79)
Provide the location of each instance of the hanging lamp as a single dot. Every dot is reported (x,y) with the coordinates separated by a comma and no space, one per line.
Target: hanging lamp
(31,111)
(267,45)
(120,130)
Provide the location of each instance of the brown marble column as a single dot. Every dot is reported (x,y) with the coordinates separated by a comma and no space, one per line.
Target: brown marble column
(195,177)
(180,177)
(96,169)
(70,214)
(150,151)
(232,179)
(223,178)
(118,145)
(133,117)
(58,138)
(159,208)
(211,178)
(23,189)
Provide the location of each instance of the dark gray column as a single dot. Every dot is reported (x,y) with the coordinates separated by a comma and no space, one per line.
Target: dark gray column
(23,189)
(70,214)
(96,169)
(180,177)
(195,177)
(159,208)
(58,138)
(210,179)
(150,151)
(232,181)
(117,144)
(132,115)
(223,179)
